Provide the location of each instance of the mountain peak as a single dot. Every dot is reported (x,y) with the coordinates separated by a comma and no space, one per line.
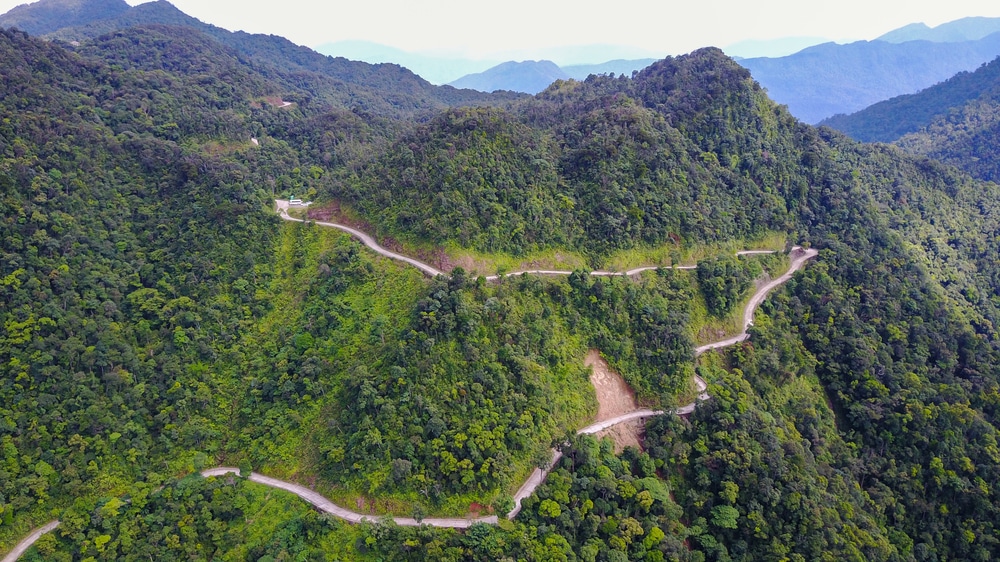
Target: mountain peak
(526,76)
(965,29)
(46,16)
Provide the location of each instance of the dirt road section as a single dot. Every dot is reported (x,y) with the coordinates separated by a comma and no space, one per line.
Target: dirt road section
(625,434)
(29,540)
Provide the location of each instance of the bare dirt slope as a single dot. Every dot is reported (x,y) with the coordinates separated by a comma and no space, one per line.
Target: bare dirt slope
(614,398)
(613,393)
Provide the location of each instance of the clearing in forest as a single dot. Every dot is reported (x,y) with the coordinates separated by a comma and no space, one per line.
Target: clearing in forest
(614,398)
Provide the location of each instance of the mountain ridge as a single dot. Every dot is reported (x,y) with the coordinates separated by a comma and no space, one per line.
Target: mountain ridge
(399,90)
(956,121)
(46,16)
(829,79)
(888,120)
(529,77)
(963,29)
(159,319)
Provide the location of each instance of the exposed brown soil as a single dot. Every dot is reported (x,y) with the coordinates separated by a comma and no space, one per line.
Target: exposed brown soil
(613,394)
(614,398)
(476,509)
(467,263)
(333,212)
(625,434)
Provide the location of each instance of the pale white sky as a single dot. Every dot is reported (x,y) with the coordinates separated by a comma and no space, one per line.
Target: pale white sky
(474,28)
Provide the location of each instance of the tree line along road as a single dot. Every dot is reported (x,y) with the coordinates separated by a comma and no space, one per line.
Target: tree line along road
(799,257)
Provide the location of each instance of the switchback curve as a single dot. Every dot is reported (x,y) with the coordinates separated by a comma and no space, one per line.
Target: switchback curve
(799,258)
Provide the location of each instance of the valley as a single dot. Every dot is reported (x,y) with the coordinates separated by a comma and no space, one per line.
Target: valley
(476,276)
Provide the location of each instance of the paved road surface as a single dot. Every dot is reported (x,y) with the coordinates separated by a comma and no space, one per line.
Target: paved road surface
(29,540)
(799,258)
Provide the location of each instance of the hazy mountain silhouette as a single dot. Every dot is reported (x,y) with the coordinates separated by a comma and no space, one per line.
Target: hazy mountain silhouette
(47,16)
(529,77)
(965,29)
(828,79)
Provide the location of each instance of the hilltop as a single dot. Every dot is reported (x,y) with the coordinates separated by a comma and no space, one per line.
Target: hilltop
(47,16)
(532,77)
(159,319)
(529,77)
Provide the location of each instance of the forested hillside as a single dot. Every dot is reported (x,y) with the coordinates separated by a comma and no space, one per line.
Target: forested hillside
(155,321)
(825,80)
(50,15)
(588,165)
(159,318)
(121,251)
(384,89)
(955,121)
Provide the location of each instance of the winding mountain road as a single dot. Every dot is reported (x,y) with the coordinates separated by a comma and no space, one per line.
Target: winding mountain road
(282,206)
(799,257)
(327,506)
(21,547)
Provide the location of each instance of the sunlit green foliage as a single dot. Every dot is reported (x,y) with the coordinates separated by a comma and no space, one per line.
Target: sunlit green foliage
(157,318)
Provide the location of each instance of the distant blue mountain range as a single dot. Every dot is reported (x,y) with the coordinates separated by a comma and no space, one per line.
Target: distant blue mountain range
(830,79)
(965,29)
(534,76)
(816,82)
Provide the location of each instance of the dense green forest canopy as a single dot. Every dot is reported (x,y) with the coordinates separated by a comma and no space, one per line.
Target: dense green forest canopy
(604,165)
(956,121)
(304,74)
(47,16)
(159,318)
(888,120)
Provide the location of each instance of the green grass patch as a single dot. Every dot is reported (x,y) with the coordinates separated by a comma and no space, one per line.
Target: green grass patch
(475,262)
(706,328)
(480,263)
(669,255)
